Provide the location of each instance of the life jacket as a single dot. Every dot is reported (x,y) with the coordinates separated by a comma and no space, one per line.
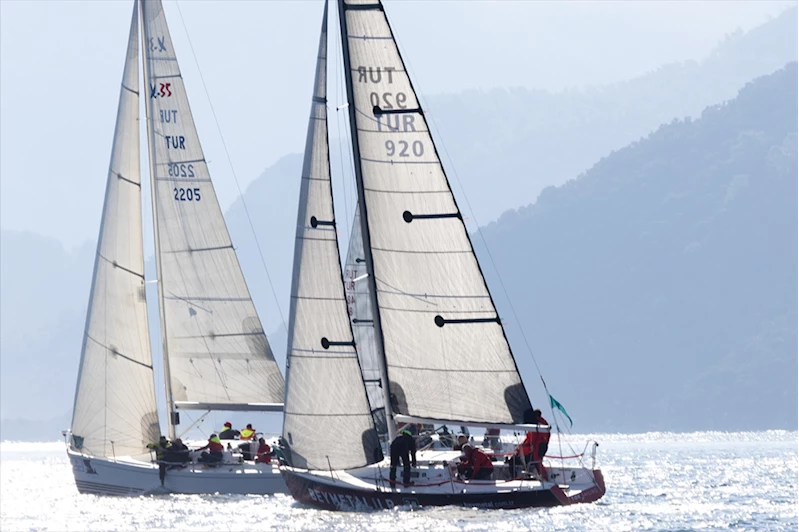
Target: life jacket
(246,434)
(159,450)
(215,445)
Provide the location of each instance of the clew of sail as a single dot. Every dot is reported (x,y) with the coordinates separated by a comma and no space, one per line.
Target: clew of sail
(359,304)
(445,349)
(327,421)
(216,352)
(115,410)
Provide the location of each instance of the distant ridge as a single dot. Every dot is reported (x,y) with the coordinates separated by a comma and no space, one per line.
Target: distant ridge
(659,289)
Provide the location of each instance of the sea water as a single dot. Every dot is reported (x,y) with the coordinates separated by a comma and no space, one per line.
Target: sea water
(655,481)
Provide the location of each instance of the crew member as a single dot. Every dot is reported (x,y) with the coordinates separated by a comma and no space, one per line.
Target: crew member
(403,449)
(228,432)
(475,464)
(264,454)
(160,447)
(215,449)
(248,433)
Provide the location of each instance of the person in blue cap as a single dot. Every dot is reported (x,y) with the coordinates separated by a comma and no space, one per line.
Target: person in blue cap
(403,449)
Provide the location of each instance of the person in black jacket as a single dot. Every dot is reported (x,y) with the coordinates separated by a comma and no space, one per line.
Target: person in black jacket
(403,449)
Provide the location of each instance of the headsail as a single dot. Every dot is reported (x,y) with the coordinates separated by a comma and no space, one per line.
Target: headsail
(115,411)
(325,394)
(444,346)
(216,350)
(359,303)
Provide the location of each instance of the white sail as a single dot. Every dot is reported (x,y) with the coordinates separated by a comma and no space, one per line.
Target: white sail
(327,421)
(115,410)
(217,355)
(446,352)
(359,305)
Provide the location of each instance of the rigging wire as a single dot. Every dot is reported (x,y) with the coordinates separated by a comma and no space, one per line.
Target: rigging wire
(232,170)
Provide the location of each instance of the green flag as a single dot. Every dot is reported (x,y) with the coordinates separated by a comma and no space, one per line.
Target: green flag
(555,404)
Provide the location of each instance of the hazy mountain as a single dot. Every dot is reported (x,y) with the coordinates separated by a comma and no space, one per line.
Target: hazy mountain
(507,145)
(44,288)
(44,291)
(658,290)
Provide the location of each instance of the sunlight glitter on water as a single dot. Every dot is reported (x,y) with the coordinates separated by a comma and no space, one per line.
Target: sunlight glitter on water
(656,481)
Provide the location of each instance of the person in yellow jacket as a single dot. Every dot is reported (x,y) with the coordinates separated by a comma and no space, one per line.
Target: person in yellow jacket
(160,447)
(247,433)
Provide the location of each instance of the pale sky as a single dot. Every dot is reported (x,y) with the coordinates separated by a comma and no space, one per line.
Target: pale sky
(61,64)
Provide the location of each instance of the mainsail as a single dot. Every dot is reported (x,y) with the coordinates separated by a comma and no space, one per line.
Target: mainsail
(115,411)
(216,353)
(359,305)
(444,346)
(327,421)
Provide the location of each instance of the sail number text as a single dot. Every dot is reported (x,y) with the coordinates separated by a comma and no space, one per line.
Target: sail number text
(186,194)
(404,149)
(181,170)
(160,90)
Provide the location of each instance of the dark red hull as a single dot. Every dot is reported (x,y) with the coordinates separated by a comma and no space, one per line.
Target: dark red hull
(339,496)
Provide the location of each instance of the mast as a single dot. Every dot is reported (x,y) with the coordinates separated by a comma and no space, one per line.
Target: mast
(161,309)
(367,243)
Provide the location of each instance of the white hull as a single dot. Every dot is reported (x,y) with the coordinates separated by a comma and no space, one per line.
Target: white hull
(104,476)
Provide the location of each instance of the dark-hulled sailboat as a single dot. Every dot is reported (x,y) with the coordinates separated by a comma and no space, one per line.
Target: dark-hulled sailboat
(441,349)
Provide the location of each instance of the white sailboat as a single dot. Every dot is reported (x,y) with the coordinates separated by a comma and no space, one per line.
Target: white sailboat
(216,355)
(440,347)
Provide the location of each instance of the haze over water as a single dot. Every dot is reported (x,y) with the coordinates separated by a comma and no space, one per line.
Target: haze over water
(656,481)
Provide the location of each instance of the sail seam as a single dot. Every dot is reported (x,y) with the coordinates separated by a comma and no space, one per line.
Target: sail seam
(317,239)
(437,311)
(350,357)
(445,370)
(385,191)
(175,297)
(130,90)
(368,38)
(392,161)
(422,252)
(312,298)
(195,250)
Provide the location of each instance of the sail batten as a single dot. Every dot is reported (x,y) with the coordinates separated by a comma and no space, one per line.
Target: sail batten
(216,349)
(325,393)
(115,411)
(440,323)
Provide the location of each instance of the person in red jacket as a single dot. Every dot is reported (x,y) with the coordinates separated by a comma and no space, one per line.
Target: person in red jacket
(543,442)
(264,454)
(475,464)
(534,447)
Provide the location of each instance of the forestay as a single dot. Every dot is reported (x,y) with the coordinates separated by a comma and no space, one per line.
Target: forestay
(216,349)
(327,421)
(446,352)
(115,410)
(359,306)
